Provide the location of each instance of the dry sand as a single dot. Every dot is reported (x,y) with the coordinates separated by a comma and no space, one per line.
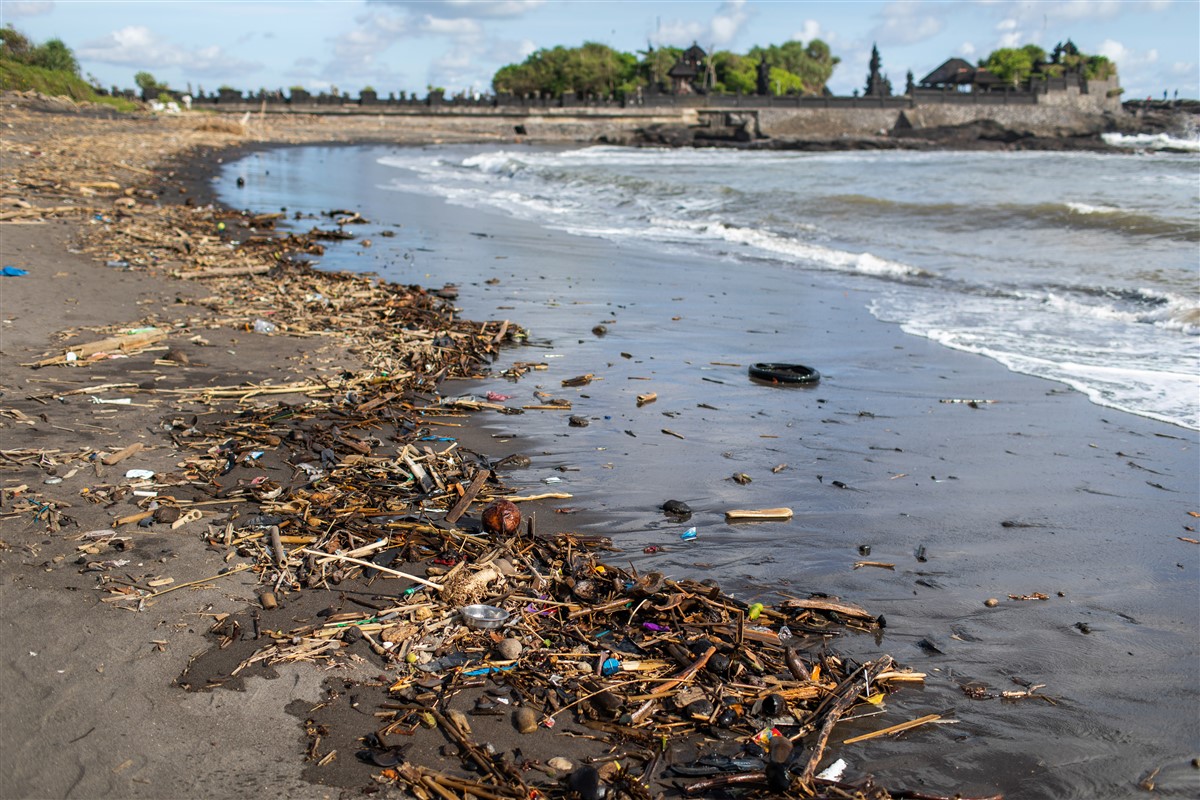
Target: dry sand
(90,707)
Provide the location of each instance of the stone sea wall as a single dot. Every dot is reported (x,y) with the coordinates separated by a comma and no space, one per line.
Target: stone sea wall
(1068,111)
(1036,120)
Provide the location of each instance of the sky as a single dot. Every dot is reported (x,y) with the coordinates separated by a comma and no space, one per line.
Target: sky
(409,45)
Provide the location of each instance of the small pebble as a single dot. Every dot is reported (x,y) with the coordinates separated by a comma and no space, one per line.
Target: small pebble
(991,602)
(560,764)
(525,719)
(509,649)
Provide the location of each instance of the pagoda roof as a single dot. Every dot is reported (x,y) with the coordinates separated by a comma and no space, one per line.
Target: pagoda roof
(954,71)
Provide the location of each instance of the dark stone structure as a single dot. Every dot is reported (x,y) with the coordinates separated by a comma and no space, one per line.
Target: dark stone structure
(877,84)
(687,76)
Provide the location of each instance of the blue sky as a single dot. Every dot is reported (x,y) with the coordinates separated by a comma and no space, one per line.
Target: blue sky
(408,45)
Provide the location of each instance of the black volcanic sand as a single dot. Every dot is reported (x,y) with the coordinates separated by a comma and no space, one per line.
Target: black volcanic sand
(1039,492)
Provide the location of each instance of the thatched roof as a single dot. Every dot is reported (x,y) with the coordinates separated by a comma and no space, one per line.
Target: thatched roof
(954,72)
(985,78)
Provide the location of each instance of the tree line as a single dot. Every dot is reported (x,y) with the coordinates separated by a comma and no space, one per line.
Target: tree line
(1014,65)
(795,68)
(597,69)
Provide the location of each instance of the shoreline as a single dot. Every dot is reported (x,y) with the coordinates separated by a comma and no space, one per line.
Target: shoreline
(262,699)
(1006,516)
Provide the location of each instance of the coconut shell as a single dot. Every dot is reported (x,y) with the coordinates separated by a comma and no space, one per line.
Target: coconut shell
(502,517)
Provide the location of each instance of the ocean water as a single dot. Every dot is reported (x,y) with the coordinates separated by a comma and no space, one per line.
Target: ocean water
(1077,267)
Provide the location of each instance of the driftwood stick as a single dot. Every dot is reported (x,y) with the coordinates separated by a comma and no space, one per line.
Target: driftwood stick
(431,784)
(369,565)
(277,547)
(903,726)
(469,747)
(720,781)
(845,695)
(463,785)
(468,497)
(235,570)
(688,672)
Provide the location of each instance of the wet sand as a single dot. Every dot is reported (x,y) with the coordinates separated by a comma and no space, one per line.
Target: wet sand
(1035,491)
(1096,501)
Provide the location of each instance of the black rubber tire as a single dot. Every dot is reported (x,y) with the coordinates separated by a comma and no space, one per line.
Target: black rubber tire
(790,374)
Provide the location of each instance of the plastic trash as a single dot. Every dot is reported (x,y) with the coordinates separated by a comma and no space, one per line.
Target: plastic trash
(688,535)
(13,272)
(611,666)
(755,610)
(140,474)
(834,771)
(262,326)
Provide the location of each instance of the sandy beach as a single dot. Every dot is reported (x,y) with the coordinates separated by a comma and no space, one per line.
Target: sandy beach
(1080,518)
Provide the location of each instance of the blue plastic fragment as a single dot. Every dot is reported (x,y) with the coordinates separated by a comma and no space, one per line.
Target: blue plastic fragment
(611,667)
(13,272)
(487,670)
(688,535)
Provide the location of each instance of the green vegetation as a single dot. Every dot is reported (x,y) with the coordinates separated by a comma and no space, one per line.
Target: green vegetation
(147,83)
(597,69)
(1016,65)
(52,54)
(49,68)
(590,69)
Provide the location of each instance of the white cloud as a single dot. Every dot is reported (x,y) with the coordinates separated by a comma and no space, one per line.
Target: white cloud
(34,8)
(728,21)
(1125,58)
(138,46)
(471,50)
(908,22)
(458,28)
(719,31)
(1009,24)
(810,31)
(966,49)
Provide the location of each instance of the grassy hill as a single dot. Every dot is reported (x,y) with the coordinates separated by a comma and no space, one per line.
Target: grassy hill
(23,77)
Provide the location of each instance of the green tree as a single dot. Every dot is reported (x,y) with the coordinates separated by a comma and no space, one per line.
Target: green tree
(734,73)
(53,54)
(592,68)
(1010,64)
(599,70)
(1015,65)
(1099,68)
(14,45)
(811,65)
(145,81)
(656,63)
